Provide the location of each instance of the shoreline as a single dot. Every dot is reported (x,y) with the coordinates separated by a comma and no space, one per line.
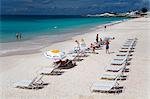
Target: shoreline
(69,36)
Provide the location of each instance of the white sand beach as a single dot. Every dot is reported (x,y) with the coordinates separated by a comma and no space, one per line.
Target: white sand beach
(75,83)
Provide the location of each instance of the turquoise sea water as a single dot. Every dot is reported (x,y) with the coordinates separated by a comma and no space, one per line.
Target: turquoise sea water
(33,26)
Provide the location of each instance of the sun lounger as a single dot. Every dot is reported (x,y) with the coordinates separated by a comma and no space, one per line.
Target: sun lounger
(108,76)
(116,68)
(128,45)
(106,87)
(35,83)
(131,39)
(119,62)
(123,54)
(112,76)
(75,50)
(126,50)
(84,47)
(113,68)
(120,57)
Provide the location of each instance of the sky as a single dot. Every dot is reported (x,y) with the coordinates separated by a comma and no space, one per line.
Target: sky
(69,7)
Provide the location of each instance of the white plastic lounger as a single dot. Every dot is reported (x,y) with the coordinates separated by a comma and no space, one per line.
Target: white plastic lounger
(35,83)
(128,45)
(119,62)
(127,48)
(74,50)
(124,51)
(128,42)
(123,54)
(84,47)
(108,76)
(113,76)
(113,68)
(106,86)
(116,68)
(131,39)
(121,57)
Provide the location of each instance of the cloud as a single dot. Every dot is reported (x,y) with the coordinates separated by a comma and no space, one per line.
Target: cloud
(67,6)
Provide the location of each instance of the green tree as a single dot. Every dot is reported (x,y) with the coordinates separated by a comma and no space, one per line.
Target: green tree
(144,10)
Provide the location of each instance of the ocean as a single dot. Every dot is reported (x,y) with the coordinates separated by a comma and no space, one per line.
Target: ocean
(33,26)
(40,31)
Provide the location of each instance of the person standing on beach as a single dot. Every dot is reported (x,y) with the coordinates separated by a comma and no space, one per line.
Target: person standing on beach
(107,47)
(97,38)
(20,36)
(17,36)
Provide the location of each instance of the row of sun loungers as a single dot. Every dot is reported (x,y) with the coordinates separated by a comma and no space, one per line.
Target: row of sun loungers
(37,83)
(108,82)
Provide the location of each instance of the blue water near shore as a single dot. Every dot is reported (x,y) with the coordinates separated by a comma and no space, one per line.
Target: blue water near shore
(33,26)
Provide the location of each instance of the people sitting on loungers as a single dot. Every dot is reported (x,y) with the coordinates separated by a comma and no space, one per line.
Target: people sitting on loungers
(93,47)
(65,63)
(97,45)
(78,44)
(101,41)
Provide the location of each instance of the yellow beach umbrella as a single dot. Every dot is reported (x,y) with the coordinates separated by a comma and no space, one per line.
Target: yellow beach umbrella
(55,55)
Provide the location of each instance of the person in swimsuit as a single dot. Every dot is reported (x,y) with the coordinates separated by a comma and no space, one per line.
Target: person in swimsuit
(17,36)
(97,38)
(107,47)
